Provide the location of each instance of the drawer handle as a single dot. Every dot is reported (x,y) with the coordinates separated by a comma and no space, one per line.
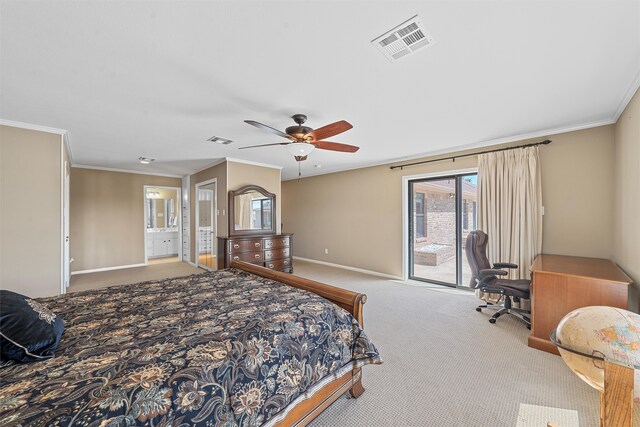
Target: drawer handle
(236,246)
(257,244)
(257,256)
(236,258)
(270,265)
(286,262)
(284,241)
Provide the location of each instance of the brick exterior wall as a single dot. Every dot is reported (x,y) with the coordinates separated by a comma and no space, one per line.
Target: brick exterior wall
(440,227)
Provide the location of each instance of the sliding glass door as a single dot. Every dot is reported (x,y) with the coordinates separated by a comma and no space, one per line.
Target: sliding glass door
(442,212)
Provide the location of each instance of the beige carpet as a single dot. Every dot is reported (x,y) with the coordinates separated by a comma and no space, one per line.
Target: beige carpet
(444,363)
(83,282)
(163,260)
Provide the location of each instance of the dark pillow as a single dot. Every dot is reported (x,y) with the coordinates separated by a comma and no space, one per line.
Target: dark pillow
(28,331)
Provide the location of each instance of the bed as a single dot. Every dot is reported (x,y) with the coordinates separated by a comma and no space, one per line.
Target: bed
(245,346)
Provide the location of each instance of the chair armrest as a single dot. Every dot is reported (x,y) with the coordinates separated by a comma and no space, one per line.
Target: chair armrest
(487,275)
(491,272)
(505,265)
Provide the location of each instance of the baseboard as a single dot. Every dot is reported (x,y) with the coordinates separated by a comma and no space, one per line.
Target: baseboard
(117,267)
(346,267)
(192,263)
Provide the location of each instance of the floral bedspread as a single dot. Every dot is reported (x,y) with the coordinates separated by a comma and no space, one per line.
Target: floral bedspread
(216,349)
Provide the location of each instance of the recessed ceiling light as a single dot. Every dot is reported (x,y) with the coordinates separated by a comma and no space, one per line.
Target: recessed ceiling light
(146,160)
(220,140)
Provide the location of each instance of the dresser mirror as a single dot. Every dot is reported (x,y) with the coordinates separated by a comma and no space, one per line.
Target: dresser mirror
(252,210)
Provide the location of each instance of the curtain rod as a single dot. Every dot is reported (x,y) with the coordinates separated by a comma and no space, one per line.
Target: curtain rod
(534,144)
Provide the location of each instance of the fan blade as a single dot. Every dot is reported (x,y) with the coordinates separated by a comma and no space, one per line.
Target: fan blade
(268,129)
(264,145)
(329,130)
(336,146)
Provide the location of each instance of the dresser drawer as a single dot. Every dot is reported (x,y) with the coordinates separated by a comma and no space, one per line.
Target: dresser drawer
(276,242)
(246,256)
(245,245)
(276,254)
(279,264)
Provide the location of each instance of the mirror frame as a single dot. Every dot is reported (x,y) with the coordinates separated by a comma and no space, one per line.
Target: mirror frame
(231,211)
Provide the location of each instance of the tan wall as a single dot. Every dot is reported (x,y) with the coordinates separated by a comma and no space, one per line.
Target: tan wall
(107,217)
(626,209)
(577,184)
(241,174)
(357,214)
(219,172)
(30,211)
(231,176)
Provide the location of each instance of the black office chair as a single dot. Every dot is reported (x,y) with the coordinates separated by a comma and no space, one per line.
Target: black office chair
(485,278)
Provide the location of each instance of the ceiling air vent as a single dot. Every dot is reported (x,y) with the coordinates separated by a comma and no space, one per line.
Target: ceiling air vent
(220,140)
(404,39)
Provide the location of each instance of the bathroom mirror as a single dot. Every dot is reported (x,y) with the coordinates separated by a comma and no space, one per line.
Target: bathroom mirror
(161,208)
(252,210)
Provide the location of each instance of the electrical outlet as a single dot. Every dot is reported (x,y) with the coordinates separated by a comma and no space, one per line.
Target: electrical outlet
(326,251)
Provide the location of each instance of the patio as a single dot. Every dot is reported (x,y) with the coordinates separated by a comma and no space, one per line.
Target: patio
(444,272)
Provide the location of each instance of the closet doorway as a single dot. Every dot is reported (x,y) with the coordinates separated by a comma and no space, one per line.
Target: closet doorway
(206,226)
(441,213)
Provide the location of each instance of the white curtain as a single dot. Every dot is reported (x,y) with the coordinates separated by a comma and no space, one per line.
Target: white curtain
(243,212)
(510,207)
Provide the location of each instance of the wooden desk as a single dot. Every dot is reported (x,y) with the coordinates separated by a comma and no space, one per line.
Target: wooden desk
(561,284)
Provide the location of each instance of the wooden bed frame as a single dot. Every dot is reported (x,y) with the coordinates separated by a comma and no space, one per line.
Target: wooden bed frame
(303,413)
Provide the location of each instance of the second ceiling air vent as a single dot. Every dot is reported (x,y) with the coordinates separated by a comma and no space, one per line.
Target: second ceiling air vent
(404,39)
(220,140)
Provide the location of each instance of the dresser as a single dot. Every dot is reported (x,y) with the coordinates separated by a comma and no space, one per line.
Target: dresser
(561,284)
(272,251)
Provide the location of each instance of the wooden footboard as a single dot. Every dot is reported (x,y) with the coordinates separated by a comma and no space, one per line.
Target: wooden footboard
(306,411)
(349,300)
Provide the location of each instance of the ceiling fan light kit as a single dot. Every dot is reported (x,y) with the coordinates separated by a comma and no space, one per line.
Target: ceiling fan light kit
(301,149)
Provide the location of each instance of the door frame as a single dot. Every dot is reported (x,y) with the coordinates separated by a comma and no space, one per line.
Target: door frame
(214,221)
(66,226)
(405,209)
(146,213)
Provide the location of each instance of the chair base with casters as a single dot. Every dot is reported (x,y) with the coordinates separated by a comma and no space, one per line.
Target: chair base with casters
(507,308)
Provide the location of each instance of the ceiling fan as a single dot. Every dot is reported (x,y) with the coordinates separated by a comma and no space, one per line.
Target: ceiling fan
(303,139)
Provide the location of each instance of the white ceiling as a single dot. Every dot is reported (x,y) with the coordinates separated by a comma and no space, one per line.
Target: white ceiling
(156,79)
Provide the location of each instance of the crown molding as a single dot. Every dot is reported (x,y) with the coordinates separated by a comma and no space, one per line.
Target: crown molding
(100,168)
(249,162)
(67,146)
(210,165)
(31,126)
(483,144)
(626,98)
(234,160)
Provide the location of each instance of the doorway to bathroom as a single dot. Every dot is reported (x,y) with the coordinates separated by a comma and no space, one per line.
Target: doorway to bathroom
(162,227)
